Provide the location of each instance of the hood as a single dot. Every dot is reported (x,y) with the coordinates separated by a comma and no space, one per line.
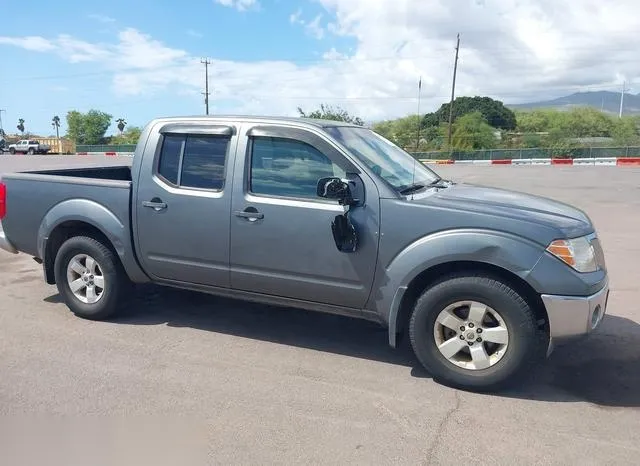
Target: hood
(512,204)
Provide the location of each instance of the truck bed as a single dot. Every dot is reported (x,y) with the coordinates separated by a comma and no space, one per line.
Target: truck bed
(93,195)
(119,173)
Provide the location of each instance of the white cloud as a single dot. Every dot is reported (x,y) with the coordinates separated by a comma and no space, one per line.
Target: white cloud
(77,51)
(312,27)
(514,50)
(196,34)
(35,43)
(102,18)
(240,5)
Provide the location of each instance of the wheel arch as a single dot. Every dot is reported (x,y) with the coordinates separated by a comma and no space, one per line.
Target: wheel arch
(61,233)
(437,273)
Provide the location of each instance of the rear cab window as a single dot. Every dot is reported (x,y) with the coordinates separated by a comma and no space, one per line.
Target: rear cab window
(194,161)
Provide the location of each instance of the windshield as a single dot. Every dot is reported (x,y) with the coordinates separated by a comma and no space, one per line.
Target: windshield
(387,160)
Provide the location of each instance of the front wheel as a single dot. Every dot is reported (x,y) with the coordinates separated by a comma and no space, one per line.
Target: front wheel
(475,333)
(89,278)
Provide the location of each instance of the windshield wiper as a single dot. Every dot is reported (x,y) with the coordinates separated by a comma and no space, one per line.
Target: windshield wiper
(412,188)
(438,183)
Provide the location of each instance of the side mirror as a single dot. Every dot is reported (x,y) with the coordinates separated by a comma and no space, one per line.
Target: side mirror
(335,188)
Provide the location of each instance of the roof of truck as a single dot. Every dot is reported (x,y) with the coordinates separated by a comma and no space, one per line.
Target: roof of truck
(267,119)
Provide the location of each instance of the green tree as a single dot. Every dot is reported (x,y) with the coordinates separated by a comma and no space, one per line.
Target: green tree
(532,121)
(472,132)
(402,132)
(55,122)
(87,128)
(587,122)
(327,112)
(625,131)
(129,136)
(493,111)
(576,123)
(21,125)
(121,124)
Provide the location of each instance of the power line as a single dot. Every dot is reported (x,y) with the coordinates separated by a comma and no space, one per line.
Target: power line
(206,92)
(453,88)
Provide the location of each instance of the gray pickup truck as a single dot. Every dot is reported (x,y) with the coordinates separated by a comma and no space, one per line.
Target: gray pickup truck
(323,216)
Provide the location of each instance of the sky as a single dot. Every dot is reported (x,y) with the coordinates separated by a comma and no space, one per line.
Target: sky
(141,59)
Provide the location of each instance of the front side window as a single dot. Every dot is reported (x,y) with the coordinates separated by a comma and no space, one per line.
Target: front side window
(194,161)
(288,168)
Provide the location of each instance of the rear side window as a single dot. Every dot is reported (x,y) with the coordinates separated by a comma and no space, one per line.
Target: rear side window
(194,161)
(170,158)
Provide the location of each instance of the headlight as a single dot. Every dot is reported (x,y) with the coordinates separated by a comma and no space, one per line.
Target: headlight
(576,252)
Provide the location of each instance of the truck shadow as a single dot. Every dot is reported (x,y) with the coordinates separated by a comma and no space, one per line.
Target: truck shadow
(603,369)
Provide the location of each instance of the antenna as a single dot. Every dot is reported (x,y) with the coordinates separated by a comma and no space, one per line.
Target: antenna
(413,177)
(419,95)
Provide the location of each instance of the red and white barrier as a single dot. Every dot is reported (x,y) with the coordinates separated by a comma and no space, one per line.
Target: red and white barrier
(108,154)
(610,161)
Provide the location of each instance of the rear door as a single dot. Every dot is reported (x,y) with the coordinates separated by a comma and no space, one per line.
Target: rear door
(183,202)
(281,238)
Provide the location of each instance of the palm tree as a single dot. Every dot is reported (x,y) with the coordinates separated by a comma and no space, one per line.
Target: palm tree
(121,124)
(21,125)
(55,122)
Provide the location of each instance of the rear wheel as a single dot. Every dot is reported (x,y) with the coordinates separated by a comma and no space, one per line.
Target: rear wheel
(31,151)
(476,333)
(12,150)
(89,278)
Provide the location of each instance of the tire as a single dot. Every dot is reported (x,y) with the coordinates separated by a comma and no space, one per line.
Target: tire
(109,291)
(507,359)
(12,151)
(31,151)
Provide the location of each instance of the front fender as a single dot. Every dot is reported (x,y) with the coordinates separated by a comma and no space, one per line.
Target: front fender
(100,217)
(515,254)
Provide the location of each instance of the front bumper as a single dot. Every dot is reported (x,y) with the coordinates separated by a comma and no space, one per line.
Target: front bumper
(575,316)
(5,244)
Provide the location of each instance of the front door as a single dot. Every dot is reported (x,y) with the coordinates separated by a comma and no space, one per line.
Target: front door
(281,238)
(183,209)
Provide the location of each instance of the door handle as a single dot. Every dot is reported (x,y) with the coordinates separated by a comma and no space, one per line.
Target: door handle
(155,205)
(249,215)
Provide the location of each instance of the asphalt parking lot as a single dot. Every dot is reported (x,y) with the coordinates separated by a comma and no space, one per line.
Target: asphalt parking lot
(266,385)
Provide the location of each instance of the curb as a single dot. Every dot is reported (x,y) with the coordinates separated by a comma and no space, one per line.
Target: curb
(612,161)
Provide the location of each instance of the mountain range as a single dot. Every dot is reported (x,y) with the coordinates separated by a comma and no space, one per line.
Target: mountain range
(604,100)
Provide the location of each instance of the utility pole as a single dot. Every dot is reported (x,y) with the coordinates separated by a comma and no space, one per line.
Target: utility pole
(1,127)
(206,92)
(624,85)
(453,89)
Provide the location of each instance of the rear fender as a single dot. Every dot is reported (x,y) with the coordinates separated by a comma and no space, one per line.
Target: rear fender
(99,217)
